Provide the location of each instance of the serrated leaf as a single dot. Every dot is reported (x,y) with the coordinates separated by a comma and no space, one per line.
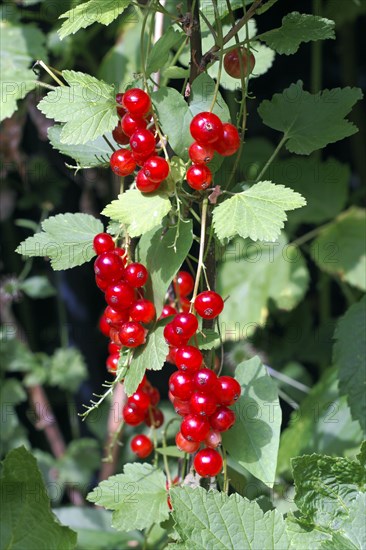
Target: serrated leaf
(258,213)
(159,53)
(219,522)
(93,11)
(27,519)
(298,28)
(310,121)
(87,107)
(304,536)
(137,497)
(67,369)
(138,211)
(340,248)
(37,287)
(67,239)
(351,358)
(254,439)
(152,356)
(207,339)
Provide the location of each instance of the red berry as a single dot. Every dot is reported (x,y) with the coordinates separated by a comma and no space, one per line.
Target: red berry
(142,142)
(184,445)
(184,283)
(185,304)
(109,266)
(181,407)
(171,355)
(119,136)
(104,326)
(172,337)
(199,177)
(200,154)
(194,427)
(122,162)
(181,385)
(113,335)
(227,390)
(207,462)
(120,296)
(167,311)
(188,359)
(132,334)
(136,101)
(121,252)
(209,304)
(205,380)
(154,417)
(232,63)
(185,324)
(115,317)
(213,439)
(101,283)
(113,348)
(142,311)
(230,141)
(142,446)
(136,275)
(222,419)
(144,185)
(132,415)
(156,169)
(140,399)
(112,362)
(206,128)
(103,243)
(154,395)
(120,110)
(141,159)
(203,404)
(130,124)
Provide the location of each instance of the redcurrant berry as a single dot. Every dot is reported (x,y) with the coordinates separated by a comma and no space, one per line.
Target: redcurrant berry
(181,407)
(140,399)
(132,415)
(113,348)
(206,128)
(207,463)
(142,142)
(104,326)
(181,385)
(227,390)
(136,275)
(109,266)
(199,177)
(144,185)
(142,446)
(122,162)
(154,395)
(232,63)
(185,324)
(142,311)
(115,317)
(185,304)
(119,136)
(120,110)
(172,337)
(130,124)
(171,355)
(156,169)
(222,419)
(132,334)
(209,304)
(203,404)
(230,141)
(184,283)
(205,380)
(167,311)
(154,417)
(213,439)
(188,359)
(184,445)
(112,362)
(101,283)
(200,154)
(120,296)
(194,427)
(103,243)
(136,101)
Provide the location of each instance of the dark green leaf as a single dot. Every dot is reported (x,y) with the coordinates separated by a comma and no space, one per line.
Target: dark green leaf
(159,53)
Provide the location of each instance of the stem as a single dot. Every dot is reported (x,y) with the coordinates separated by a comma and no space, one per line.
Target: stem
(272,157)
(201,251)
(195,41)
(308,236)
(51,73)
(115,424)
(287,380)
(226,479)
(220,39)
(109,143)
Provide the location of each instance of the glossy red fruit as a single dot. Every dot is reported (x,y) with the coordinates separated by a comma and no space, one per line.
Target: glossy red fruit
(188,359)
(140,399)
(121,252)
(115,317)
(119,136)
(167,311)
(194,427)
(228,390)
(136,101)
(109,266)
(232,63)
(229,142)
(154,395)
(184,283)
(132,334)
(205,380)
(132,415)
(120,296)
(120,110)
(136,274)
(130,124)
(181,385)
(185,324)
(103,243)
(144,185)
(184,445)
(142,311)
(112,362)
(203,404)
(185,304)
(142,142)
(142,446)
(156,169)
(113,335)
(181,407)
(154,417)
(222,419)
(122,162)
(207,463)
(171,355)
(101,283)
(209,304)
(199,177)
(172,337)
(113,348)
(206,128)
(213,439)
(104,326)
(201,154)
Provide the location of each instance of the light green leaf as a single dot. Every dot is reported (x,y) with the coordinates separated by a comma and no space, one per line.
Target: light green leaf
(137,497)
(93,11)
(304,536)
(37,287)
(67,369)
(207,339)
(87,107)
(156,250)
(152,356)
(11,394)
(159,53)
(254,439)
(258,212)
(253,274)
(67,239)
(176,72)
(351,358)
(171,450)
(219,522)
(297,28)
(138,211)
(81,459)
(27,519)
(202,93)
(310,121)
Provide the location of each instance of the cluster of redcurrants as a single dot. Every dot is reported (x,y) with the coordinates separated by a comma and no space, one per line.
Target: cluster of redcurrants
(133,129)
(210,135)
(127,309)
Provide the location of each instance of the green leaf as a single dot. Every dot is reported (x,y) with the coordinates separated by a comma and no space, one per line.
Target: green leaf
(159,53)
(163,254)
(344,13)
(350,359)
(340,248)
(258,213)
(152,356)
(138,211)
(217,521)
(67,369)
(202,93)
(11,394)
(254,439)
(87,107)
(171,450)
(37,287)
(253,275)
(207,339)
(137,497)
(310,121)
(297,28)
(304,536)
(93,11)
(81,459)
(67,239)
(27,519)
